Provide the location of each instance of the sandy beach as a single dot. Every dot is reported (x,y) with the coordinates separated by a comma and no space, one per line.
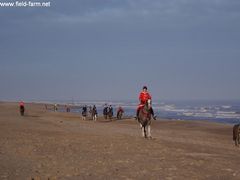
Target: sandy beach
(56,145)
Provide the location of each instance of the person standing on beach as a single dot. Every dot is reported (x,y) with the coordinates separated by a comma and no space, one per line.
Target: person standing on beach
(144,96)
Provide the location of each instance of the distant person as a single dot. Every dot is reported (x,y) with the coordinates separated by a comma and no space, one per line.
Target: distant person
(55,107)
(84,112)
(84,108)
(21,108)
(94,113)
(110,112)
(94,109)
(105,111)
(67,108)
(120,111)
(21,104)
(110,109)
(144,96)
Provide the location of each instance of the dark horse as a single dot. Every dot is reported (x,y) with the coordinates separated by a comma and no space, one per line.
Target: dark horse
(94,114)
(236,134)
(105,112)
(144,118)
(110,113)
(22,109)
(84,113)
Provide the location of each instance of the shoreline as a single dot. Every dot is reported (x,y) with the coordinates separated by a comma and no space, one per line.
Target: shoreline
(77,110)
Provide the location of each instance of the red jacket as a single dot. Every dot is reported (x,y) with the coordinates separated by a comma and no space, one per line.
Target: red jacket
(21,103)
(144,96)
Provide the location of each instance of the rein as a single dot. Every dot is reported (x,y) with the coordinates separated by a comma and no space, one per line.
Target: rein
(146,111)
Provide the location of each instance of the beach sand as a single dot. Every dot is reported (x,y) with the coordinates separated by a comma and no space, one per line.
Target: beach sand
(56,145)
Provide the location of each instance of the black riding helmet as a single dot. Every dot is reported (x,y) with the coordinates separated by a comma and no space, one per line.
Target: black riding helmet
(145,87)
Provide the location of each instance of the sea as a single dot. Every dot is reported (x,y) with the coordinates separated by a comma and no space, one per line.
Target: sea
(214,111)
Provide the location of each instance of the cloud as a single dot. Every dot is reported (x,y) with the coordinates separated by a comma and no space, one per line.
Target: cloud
(91,11)
(130,10)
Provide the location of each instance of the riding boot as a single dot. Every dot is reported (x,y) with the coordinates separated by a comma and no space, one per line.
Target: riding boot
(137,114)
(154,117)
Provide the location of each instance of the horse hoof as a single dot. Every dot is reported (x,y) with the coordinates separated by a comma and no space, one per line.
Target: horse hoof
(150,137)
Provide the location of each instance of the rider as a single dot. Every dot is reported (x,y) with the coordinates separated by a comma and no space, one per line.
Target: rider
(21,104)
(120,109)
(144,96)
(84,108)
(110,109)
(94,108)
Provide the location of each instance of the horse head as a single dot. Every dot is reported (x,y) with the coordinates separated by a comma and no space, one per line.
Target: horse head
(148,105)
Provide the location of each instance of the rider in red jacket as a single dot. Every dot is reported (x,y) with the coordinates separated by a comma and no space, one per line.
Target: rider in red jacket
(21,104)
(144,96)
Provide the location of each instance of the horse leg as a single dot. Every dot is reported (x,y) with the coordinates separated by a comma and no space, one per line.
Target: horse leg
(149,131)
(143,129)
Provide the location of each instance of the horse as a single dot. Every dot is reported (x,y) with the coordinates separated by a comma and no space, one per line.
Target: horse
(236,134)
(119,114)
(144,118)
(110,113)
(94,114)
(84,113)
(105,112)
(22,110)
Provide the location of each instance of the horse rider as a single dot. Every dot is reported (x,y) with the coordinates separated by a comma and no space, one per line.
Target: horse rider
(84,108)
(144,96)
(94,108)
(21,104)
(120,109)
(110,109)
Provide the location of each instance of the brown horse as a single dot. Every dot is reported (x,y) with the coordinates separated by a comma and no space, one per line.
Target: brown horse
(236,134)
(94,114)
(110,113)
(144,118)
(119,114)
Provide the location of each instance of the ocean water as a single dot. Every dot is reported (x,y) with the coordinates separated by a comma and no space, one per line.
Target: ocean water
(215,111)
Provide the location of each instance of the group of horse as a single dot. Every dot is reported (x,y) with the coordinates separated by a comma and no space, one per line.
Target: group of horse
(92,112)
(107,113)
(144,119)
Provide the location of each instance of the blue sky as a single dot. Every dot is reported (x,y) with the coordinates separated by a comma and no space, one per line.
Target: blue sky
(109,49)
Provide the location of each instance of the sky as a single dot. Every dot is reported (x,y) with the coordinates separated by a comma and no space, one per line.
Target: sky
(110,49)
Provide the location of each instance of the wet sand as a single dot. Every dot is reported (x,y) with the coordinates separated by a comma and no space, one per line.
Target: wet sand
(56,145)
